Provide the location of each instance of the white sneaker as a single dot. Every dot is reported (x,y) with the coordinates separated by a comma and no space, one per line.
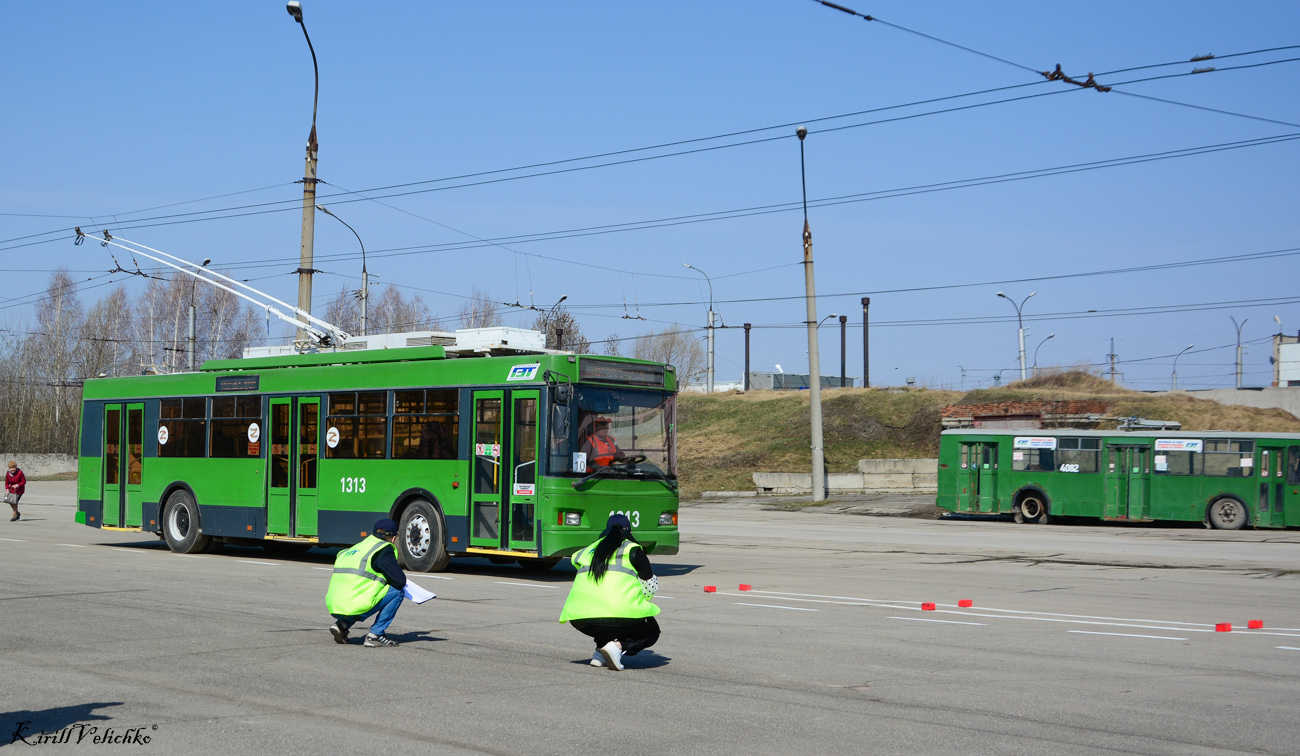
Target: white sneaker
(598,659)
(613,655)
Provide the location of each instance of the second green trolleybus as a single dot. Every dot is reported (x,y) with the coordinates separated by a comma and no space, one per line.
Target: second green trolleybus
(472,456)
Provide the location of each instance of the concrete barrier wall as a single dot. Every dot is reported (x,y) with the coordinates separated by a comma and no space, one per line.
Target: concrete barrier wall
(38,465)
(873,476)
(1284,398)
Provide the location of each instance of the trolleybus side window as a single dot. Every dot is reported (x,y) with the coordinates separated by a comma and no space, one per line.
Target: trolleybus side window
(186,424)
(426,424)
(1293,465)
(1082,455)
(1178,463)
(1033,460)
(1229,458)
(362,424)
(231,418)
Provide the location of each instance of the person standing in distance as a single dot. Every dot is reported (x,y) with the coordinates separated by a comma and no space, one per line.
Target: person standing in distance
(367,580)
(610,598)
(15,485)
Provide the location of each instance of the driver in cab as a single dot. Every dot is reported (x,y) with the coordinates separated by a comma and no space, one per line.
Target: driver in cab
(599,446)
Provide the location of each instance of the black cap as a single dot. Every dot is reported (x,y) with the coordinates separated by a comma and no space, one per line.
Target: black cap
(618,519)
(385,527)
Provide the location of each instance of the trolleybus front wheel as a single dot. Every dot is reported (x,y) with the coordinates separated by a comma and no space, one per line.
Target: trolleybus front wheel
(1031,509)
(181,524)
(1227,514)
(420,539)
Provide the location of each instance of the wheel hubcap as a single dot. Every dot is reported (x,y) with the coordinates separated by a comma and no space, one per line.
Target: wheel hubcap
(180,522)
(417,536)
(1032,508)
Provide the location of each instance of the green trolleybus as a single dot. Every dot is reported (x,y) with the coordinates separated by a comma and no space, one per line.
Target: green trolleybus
(472,456)
(1225,479)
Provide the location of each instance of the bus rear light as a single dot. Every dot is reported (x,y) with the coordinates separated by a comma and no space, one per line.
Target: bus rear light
(569,518)
(668,518)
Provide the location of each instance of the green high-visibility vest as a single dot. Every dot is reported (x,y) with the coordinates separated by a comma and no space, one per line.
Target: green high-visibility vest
(618,594)
(355,586)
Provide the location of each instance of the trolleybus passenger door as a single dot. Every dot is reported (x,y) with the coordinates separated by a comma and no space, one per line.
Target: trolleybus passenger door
(988,477)
(1138,466)
(1276,470)
(134,467)
(486,498)
(114,464)
(291,485)
(523,470)
(1128,474)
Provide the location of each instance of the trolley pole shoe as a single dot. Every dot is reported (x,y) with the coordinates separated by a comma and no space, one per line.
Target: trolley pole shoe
(379,641)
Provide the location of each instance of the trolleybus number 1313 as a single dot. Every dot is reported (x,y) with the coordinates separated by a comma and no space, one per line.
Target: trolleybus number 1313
(352,485)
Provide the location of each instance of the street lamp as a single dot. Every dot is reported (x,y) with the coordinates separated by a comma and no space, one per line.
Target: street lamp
(308,183)
(1040,346)
(1239,327)
(1021,323)
(365,277)
(559,335)
(708,329)
(814,366)
(1175,374)
(190,343)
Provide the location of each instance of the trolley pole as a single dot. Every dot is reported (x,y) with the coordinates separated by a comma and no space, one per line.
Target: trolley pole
(814,365)
(844,320)
(866,362)
(746,379)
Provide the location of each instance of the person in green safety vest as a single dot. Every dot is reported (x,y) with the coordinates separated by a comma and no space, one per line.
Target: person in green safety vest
(367,580)
(610,597)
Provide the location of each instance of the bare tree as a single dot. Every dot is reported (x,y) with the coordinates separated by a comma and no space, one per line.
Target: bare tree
(559,318)
(104,345)
(480,311)
(673,346)
(612,346)
(59,318)
(344,311)
(391,312)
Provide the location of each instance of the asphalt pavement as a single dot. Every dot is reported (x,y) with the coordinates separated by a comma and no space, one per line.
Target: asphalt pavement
(1079,639)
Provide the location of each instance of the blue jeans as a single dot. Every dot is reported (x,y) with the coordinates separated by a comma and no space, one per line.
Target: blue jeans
(387,608)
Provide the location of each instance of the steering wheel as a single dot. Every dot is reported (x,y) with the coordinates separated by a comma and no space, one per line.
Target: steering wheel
(631,461)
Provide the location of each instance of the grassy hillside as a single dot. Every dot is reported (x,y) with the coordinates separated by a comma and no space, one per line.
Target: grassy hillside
(725,438)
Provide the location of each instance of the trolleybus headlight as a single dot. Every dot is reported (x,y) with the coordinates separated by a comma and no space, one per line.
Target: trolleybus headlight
(570,518)
(668,518)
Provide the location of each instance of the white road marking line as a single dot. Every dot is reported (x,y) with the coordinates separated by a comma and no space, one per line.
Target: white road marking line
(249,561)
(190,556)
(773,606)
(15,540)
(1126,635)
(658,596)
(992,609)
(437,577)
(129,551)
(73,545)
(1287,648)
(1258,632)
(524,585)
(331,569)
(946,622)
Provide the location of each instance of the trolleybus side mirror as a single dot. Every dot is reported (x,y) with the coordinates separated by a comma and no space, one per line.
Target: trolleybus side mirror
(562,392)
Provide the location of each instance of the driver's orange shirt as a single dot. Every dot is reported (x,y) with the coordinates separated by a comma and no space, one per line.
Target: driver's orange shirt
(603,451)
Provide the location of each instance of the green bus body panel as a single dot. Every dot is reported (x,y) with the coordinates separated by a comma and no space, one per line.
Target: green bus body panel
(237,489)
(1132,491)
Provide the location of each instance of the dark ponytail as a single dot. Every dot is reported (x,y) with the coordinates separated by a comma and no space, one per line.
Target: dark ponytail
(612,538)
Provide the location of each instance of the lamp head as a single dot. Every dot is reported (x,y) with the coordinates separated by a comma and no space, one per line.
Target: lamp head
(206,260)
(1000,294)
(801,132)
(295,9)
(1032,293)
(566,296)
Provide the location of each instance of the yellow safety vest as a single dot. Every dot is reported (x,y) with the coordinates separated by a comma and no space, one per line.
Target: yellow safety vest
(618,594)
(355,586)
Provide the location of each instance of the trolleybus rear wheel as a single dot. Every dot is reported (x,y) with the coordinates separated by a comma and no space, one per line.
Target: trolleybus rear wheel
(181,524)
(1227,514)
(420,540)
(1031,509)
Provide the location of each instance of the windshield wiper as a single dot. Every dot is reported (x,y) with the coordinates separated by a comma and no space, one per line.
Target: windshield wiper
(599,473)
(657,475)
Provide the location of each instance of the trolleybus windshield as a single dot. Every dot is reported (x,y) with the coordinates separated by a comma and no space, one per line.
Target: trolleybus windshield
(626,431)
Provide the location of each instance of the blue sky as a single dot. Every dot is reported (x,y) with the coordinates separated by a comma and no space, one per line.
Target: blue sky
(113,109)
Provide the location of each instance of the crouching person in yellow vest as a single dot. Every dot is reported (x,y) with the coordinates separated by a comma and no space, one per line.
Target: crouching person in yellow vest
(367,579)
(610,598)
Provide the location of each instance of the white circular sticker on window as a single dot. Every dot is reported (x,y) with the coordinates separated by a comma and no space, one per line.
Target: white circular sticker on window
(332,437)
(162,435)
(254,433)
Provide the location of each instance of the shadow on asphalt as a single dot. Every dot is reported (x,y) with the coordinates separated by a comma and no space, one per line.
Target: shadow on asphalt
(27,725)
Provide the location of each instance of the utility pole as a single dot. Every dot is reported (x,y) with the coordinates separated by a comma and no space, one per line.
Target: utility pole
(308,186)
(844,320)
(746,380)
(559,339)
(814,366)
(708,381)
(1239,327)
(1112,356)
(866,362)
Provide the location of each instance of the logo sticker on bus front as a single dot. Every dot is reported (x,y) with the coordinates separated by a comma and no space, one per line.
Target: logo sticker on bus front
(332,437)
(523,372)
(254,433)
(162,435)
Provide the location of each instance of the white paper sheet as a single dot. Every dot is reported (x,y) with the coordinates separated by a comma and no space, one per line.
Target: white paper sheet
(416,593)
